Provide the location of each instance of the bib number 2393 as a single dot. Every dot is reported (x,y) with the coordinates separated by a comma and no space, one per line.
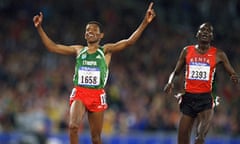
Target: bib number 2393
(197,72)
(88,76)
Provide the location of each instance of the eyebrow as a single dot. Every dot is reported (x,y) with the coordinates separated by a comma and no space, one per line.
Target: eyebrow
(206,27)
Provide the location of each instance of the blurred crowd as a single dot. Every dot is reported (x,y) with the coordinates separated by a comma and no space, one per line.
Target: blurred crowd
(35,84)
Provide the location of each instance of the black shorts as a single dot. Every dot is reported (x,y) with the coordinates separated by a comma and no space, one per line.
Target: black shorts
(192,104)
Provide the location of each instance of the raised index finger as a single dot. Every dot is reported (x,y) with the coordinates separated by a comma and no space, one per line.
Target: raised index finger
(150,6)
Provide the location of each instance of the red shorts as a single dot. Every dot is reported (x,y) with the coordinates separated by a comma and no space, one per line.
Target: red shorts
(93,99)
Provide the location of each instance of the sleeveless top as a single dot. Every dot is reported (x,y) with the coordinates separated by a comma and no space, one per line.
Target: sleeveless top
(91,70)
(200,70)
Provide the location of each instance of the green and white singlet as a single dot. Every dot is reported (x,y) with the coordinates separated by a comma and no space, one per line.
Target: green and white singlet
(91,70)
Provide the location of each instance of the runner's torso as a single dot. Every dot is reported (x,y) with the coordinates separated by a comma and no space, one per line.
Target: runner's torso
(200,70)
(91,70)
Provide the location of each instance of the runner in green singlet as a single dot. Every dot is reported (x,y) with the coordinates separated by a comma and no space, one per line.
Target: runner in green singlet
(91,72)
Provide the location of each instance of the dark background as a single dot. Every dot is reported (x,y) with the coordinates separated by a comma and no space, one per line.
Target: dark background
(35,84)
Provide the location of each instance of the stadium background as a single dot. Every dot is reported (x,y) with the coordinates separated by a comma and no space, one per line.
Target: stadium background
(35,84)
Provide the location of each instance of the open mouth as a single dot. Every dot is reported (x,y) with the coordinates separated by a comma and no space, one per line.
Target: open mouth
(204,37)
(90,35)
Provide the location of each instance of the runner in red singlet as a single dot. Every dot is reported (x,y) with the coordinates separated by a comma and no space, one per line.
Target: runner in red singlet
(91,72)
(196,103)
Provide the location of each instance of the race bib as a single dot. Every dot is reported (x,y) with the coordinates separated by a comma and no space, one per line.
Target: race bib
(199,72)
(89,76)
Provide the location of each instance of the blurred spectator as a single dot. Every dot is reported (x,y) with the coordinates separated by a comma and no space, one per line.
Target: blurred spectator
(35,85)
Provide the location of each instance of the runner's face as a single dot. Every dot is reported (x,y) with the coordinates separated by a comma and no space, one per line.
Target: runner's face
(92,33)
(205,33)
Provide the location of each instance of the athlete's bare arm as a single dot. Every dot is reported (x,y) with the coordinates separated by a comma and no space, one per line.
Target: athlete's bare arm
(120,45)
(49,44)
(178,68)
(222,57)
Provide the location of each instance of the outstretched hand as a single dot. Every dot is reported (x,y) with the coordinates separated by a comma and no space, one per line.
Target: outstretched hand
(37,19)
(150,14)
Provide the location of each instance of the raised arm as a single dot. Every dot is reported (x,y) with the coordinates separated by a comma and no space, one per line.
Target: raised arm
(179,66)
(120,45)
(222,57)
(49,44)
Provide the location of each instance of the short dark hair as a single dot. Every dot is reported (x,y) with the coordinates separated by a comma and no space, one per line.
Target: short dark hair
(98,24)
(209,24)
